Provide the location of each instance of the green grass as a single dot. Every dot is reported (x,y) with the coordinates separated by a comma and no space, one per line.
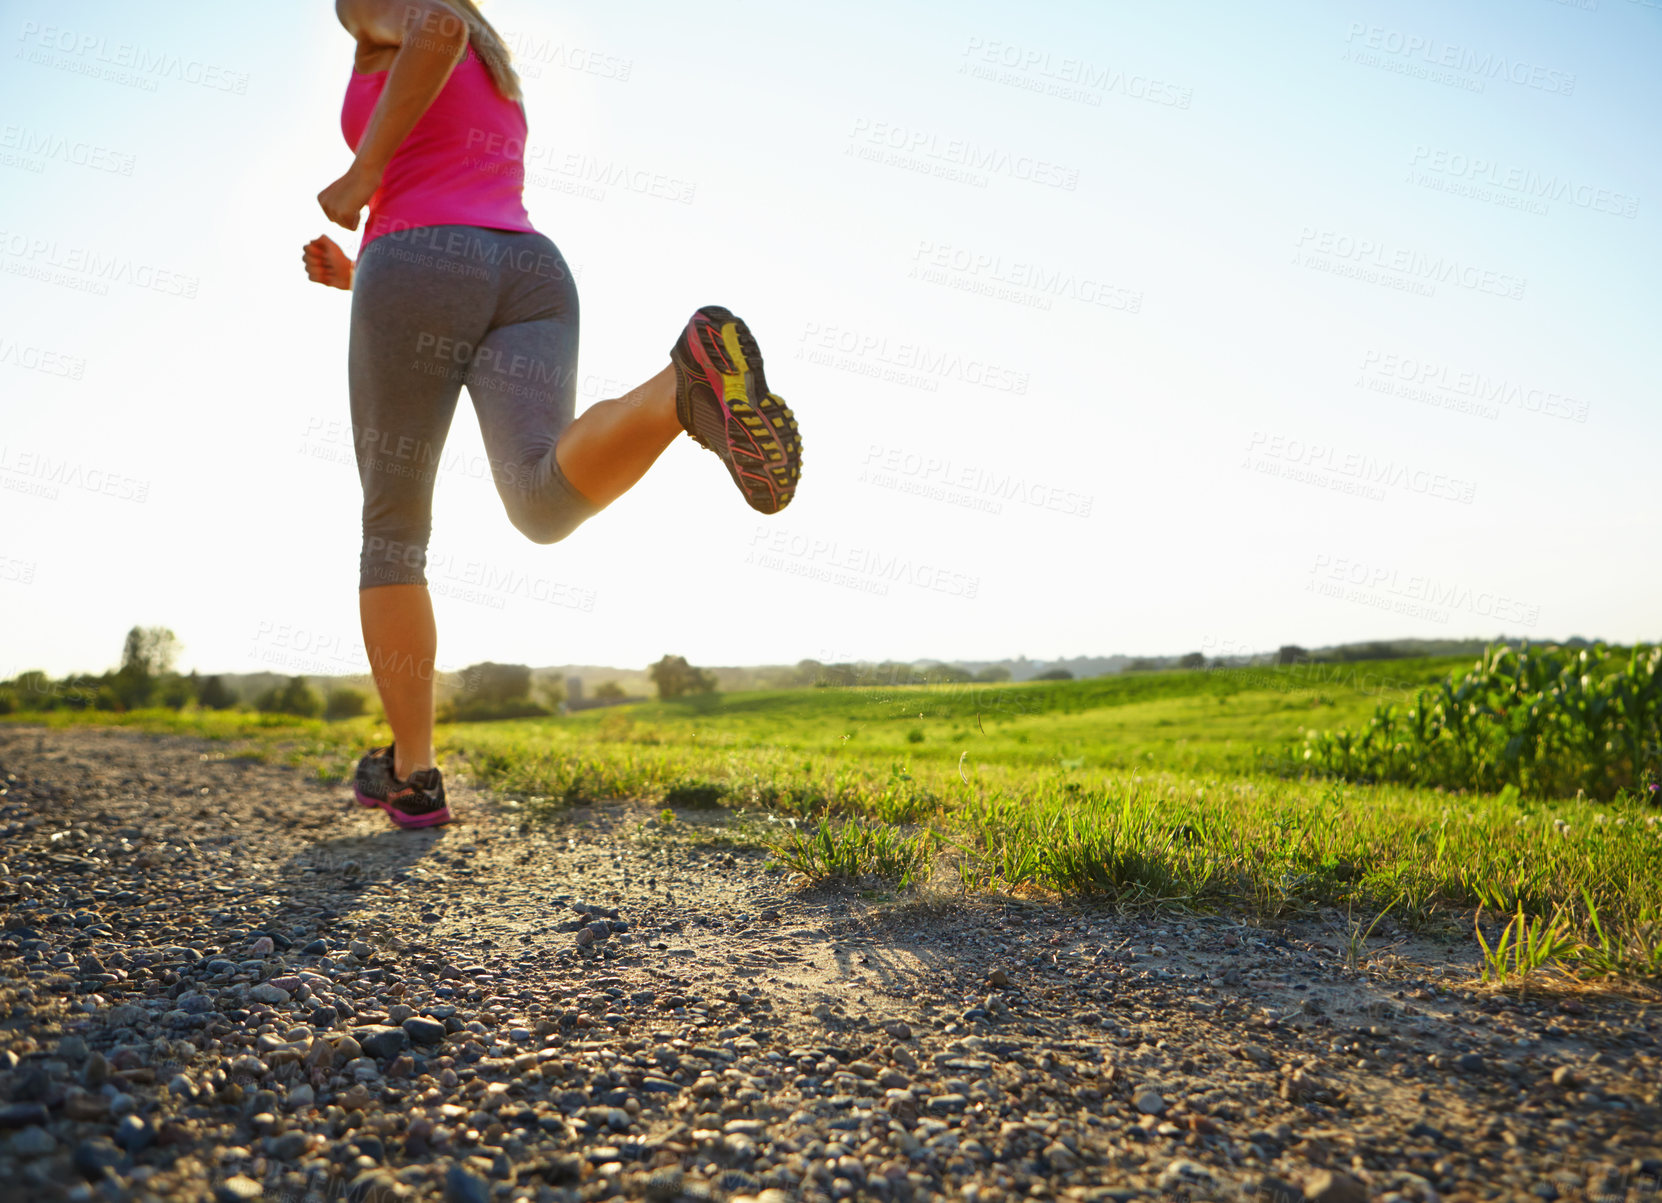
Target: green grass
(1159,788)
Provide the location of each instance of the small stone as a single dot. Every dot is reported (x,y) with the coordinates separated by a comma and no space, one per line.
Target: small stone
(585,937)
(73,1048)
(664,1184)
(998,978)
(1330,1186)
(263,947)
(1150,1102)
(33,1141)
(19,1115)
(289,1146)
(301,1096)
(1061,1159)
(423,1030)
(1470,1063)
(899,1029)
(1566,1077)
(1182,1173)
(265,992)
(93,1157)
(462,1186)
(237,1189)
(361,950)
(323,1018)
(316,948)
(381,1040)
(134,1133)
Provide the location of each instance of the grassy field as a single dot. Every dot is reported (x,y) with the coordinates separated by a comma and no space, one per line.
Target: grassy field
(1179,788)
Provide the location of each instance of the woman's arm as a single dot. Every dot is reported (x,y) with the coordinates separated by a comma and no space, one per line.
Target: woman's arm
(430,39)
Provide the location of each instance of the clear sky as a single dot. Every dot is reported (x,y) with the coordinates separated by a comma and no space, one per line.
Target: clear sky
(1110,327)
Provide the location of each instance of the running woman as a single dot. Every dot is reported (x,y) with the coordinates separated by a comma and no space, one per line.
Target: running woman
(452,286)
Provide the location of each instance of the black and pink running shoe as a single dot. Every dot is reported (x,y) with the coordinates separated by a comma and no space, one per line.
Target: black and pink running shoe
(416,802)
(723,402)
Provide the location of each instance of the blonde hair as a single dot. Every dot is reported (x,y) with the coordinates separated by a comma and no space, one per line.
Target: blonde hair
(490,48)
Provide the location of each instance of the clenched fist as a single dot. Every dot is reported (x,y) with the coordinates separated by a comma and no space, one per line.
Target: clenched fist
(326,263)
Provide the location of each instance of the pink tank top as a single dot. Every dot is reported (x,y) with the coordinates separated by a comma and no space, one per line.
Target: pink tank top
(462,164)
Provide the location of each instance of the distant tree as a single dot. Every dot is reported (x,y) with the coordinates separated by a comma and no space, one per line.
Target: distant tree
(295,697)
(149,650)
(493,684)
(1193,660)
(213,694)
(675,678)
(1054,674)
(993,672)
(1290,653)
(345,702)
(1142,665)
(609,691)
(147,653)
(551,691)
(947,674)
(175,692)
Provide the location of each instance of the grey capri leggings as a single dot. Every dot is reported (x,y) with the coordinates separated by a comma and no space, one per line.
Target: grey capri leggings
(436,307)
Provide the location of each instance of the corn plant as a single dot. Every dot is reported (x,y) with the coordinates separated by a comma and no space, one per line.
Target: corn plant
(1547,722)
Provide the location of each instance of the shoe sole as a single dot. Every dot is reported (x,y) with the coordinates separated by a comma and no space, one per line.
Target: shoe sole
(399,818)
(764,445)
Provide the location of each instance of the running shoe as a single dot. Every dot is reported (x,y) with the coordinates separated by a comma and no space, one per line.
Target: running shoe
(723,402)
(373,781)
(417,802)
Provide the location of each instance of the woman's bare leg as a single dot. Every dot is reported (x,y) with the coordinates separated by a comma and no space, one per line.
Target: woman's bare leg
(402,641)
(611,444)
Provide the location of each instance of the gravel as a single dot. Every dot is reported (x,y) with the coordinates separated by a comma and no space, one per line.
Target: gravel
(220,979)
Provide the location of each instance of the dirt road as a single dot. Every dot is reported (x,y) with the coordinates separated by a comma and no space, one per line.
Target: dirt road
(221,979)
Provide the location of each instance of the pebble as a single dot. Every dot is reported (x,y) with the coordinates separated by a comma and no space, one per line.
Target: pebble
(33,1141)
(134,1133)
(1150,1102)
(1331,1186)
(238,1188)
(381,1040)
(423,1030)
(463,1186)
(93,1157)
